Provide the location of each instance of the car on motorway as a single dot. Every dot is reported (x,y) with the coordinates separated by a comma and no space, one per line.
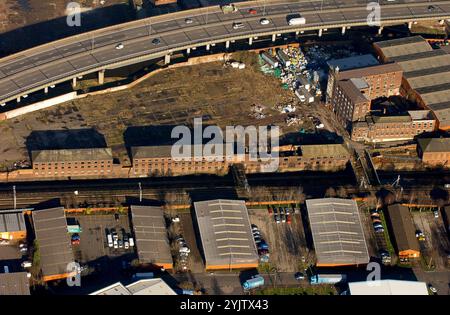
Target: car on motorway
(156,41)
(264,21)
(188,21)
(119,46)
(436,214)
(238,25)
(252,11)
(431,8)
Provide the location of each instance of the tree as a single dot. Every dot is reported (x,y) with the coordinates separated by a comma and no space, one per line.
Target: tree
(330,192)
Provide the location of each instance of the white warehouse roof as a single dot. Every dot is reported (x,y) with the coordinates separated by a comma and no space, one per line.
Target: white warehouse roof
(388,287)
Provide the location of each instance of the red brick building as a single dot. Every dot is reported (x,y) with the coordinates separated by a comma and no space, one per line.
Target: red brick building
(393,128)
(96,162)
(434,151)
(351,92)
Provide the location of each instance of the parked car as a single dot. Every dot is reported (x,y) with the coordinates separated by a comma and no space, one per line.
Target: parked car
(26,264)
(286,210)
(277,218)
(432,289)
(376,221)
(379,230)
(269,209)
(119,46)
(131,240)
(120,243)
(176,219)
(252,11)
(116,217)
(188,21)
(156,41)
(299,276)
(377,225)
(115,244)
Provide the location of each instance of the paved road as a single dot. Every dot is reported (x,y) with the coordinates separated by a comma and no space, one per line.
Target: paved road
(56,62)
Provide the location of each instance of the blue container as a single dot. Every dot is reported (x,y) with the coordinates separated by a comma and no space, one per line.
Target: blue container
(254,282)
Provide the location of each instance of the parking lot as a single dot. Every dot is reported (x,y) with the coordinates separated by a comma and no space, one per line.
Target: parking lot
(287,242)
(436,244)
(93,238)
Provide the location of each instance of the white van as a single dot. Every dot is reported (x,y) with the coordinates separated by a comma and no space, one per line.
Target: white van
(110,240)
(297,21)
(131,240)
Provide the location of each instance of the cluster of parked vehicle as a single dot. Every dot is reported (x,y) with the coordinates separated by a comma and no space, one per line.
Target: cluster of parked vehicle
(114,241)
(183,252)
(280,214)
(261,244)
(376,221)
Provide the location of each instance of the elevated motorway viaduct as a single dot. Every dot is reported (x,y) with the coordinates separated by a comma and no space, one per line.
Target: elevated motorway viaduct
(71,58)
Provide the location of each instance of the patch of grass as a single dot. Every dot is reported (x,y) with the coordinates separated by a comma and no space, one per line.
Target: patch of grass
(309,290)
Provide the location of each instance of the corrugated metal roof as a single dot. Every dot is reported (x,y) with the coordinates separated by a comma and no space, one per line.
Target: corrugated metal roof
(225,232)
(12,222)
(50,227)
(337,232)
(403,228)
(14,284)
(151,235)
(69,155)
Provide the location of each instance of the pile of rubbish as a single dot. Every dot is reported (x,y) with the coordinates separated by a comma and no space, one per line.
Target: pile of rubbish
(257,111)
(290,65)
(235,64)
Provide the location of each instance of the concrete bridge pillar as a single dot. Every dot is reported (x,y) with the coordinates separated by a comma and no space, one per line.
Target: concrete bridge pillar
(380,30)
(166,59)
(46,90)
(298,32)
(101,77)
(74,82)
(274,37)
(208,46)
(250,40)
(343,30)
(18,99)
(320,32)
(227,44)
(188,51)
(410,24)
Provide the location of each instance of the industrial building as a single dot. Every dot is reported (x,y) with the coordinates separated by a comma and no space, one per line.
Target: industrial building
(434,151)
(381,128)
(140,287)
(351,92)
(403,230)
(337,232)
(225,233)
(72,162)
(151,236)
(387,287)
(426,73)
(15,283)
(55,249)
(12,225)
